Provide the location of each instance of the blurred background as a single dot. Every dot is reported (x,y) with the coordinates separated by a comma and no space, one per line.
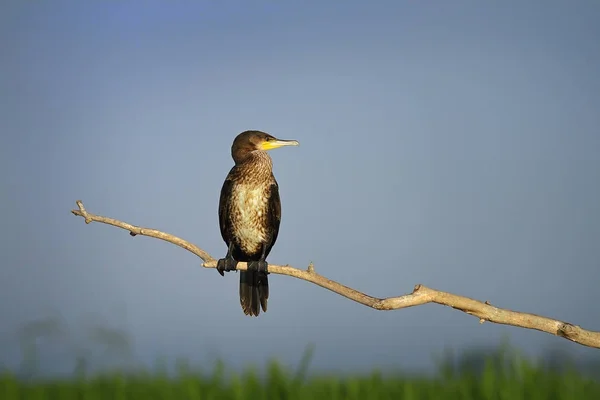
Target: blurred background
(453,144)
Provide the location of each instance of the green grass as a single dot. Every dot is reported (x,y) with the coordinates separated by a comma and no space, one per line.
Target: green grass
(499,379)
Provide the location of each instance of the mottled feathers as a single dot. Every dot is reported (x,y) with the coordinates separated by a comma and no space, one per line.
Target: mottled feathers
(249,217)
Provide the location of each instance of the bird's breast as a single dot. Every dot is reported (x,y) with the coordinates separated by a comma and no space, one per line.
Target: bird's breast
(249,216)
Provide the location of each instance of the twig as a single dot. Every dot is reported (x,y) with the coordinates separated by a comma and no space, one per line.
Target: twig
(484,311)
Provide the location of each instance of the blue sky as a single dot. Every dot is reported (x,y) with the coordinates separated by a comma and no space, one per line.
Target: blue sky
(453,144)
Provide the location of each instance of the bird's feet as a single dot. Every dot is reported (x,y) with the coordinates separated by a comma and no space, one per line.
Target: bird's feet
(226,265)
(260,266)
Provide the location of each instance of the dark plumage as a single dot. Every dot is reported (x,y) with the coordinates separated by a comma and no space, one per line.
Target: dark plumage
(249,215)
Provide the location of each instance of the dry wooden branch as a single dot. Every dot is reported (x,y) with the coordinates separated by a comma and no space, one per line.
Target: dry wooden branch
(420,295)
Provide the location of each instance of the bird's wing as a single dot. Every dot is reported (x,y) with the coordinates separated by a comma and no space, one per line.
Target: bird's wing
(274,211)
(224,204)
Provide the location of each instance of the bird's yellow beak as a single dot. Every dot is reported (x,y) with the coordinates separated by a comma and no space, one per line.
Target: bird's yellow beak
(274,144)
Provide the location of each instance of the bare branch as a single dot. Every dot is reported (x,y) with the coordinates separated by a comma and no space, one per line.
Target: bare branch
(484,311)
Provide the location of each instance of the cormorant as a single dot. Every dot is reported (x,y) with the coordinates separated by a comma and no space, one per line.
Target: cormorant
(249,215)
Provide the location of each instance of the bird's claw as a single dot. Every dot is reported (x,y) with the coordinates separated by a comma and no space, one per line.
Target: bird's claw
(226,265)
(260,266)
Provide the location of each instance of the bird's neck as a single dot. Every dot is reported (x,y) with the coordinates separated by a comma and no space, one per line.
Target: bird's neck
(258,163)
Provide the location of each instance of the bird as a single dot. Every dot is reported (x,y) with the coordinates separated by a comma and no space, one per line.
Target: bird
(250,215)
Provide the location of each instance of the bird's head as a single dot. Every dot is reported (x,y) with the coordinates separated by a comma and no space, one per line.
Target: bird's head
(249,141)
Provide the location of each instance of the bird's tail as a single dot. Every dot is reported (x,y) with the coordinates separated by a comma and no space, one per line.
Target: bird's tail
(254,292)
